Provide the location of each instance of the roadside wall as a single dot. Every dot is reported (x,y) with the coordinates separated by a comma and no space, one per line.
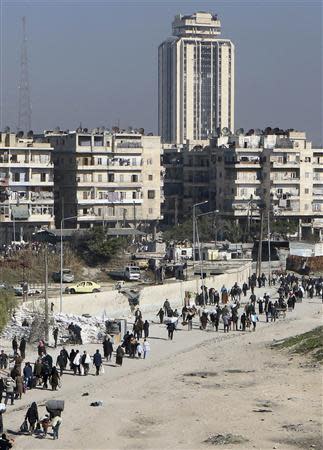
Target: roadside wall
(114,304)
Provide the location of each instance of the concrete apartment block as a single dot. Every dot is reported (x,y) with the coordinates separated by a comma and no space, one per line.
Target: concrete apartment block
(26,186)
(103,177)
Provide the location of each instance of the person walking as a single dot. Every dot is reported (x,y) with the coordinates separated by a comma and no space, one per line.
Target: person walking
(107,348)
(86,361)
(189,319)
(170,328)
(146,347)
(161,314)
(32,417)
(119,355)
(3,360)
(77,363)
(254,320)
(22,348)
(61,362)
(19,386)
(56,423)
(14,345)
(10,386)
(97,361)
(45,373)
(55,336)
(146,329)
(54,379)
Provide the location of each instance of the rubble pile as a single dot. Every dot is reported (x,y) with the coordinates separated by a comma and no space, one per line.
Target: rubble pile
(93,328)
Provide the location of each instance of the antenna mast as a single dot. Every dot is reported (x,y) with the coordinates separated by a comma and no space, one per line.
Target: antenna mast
(24,114)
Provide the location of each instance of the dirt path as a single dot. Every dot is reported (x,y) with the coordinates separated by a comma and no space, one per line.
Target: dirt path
(201,384)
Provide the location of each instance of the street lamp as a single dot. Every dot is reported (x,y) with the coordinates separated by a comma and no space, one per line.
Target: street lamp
(61,277)
(194,225)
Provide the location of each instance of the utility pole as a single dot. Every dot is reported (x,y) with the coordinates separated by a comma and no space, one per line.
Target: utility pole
(269,250)
(24,112)
(258,269)
(46,296)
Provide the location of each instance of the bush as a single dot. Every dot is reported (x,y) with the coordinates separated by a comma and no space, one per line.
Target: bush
(8,302)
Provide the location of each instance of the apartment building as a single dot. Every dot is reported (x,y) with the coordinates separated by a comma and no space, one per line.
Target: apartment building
(273,171)
(26,186)
(246,173)
(106,177)
(196,80)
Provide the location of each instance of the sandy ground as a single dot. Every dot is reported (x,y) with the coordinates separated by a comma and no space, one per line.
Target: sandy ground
(200,384)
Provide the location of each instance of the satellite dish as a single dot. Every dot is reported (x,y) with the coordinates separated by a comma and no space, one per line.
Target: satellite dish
(30,134)
(20,134)
(85,130)
(239,131)
(225,131)
(57,129)
(258,132)
(7,130)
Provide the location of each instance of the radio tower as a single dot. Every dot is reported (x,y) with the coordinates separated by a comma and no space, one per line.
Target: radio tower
(24,114)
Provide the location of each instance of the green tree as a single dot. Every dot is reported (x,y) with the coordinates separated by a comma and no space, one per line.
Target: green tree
(95,247)
(8,302)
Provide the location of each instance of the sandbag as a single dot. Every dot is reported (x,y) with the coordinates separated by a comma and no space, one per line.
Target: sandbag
(2,407)
(55,405)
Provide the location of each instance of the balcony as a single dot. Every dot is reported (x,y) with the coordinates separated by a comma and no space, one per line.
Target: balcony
(283,165)
(286,181)
(251,181)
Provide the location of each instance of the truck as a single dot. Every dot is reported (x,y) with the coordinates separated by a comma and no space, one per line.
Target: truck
(128,273)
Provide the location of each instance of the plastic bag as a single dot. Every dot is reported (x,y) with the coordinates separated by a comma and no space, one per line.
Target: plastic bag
(102,369)
(24,427)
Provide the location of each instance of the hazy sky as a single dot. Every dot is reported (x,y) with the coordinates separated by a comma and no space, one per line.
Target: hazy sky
(95,62)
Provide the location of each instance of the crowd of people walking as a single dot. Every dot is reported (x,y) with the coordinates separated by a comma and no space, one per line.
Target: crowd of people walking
(233,309)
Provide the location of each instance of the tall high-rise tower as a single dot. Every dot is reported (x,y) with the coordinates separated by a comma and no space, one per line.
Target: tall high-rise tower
(24,113)
(196,80)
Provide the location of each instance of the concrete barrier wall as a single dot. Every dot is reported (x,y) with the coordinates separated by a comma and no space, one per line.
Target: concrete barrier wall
(114,304)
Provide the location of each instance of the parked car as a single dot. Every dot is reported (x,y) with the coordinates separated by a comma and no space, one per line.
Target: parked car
(83,287)
(19,291)
(68,276)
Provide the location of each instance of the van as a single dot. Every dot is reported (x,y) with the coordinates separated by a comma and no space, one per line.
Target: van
(132,273)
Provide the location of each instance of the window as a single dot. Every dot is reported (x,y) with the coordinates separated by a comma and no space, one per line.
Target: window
(16,176)
(100,178)
(150,177)
(151,194)
(307,159)
(84,211)
(43,177)
(85,195)
(99,162)
(121,178)
(306,191)
(134,195)
(111,177)
(99,212)
(134,178)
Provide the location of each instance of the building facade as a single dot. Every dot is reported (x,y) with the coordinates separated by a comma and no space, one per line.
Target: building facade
(107,178)
(196,80)
(271,171)
(26,186)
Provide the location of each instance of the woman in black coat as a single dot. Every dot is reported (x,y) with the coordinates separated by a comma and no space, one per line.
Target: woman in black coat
(32,417)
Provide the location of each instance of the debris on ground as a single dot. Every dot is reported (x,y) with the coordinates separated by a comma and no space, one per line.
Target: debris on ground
(225,439)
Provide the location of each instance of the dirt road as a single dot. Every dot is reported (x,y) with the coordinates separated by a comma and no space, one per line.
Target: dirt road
(199,385)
